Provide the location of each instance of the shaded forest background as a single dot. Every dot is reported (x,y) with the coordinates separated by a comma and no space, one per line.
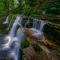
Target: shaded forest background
(41,9)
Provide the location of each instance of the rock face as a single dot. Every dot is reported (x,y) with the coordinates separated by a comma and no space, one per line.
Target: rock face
(30,54)
(41,49)
(52,31)
(34,33)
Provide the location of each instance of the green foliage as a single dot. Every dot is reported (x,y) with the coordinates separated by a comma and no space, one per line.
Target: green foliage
(52,7)
(46,9)
(43,9)
(24,43)
(7,7)
(1,7)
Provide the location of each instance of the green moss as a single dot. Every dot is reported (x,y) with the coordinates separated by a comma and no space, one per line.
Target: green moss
(24,43)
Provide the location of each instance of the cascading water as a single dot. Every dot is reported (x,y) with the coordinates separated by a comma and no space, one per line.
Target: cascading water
(38,28)
(36,24)
(15,26)
(14,38)
(42,25)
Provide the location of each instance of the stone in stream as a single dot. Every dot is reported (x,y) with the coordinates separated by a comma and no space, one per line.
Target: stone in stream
(34,33)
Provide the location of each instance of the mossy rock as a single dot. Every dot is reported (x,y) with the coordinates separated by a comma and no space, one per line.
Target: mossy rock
(52,31)
(24,44)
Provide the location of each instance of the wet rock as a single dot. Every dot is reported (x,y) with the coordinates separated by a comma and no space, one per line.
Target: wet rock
(30,54)
(34,33)
(52,32)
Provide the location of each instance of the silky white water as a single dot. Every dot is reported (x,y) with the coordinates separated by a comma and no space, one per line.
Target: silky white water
(14,38)
(37,28)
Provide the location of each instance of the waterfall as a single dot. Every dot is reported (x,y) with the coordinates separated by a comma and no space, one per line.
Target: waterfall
(38,28)
(16,25)
(36,24)
(42,25)
(14,39)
